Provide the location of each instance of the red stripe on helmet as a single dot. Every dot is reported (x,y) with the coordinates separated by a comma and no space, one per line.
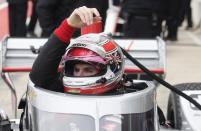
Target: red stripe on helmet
(98,89)
(109,46)
(81,52)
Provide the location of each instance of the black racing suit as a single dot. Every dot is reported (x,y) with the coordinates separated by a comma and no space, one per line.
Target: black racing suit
(143,18)
(44,72)
(17,17)
(52,12)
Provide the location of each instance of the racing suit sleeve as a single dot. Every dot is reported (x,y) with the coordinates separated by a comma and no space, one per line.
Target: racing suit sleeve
(44,72)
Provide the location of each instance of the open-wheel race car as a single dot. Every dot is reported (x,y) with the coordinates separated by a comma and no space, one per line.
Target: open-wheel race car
(133,108)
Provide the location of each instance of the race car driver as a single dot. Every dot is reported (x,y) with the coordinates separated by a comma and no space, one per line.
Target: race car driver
(91,64)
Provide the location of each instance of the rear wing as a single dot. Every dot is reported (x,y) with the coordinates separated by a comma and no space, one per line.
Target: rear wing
(18,55)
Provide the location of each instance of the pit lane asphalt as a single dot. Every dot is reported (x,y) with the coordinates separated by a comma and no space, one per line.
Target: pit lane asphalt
(183,65)
(183,62)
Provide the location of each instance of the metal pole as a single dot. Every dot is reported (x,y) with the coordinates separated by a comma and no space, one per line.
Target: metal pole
(8,81)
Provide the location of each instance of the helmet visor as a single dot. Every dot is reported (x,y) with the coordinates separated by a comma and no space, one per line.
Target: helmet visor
(71,67)
(87,59)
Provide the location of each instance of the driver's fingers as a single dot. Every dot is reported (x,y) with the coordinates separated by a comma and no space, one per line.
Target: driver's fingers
(95,11)
(80,14)
(86,14)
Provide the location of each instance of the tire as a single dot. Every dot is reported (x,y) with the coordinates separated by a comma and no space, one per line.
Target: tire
(5,124)
(174,115)
(6,128)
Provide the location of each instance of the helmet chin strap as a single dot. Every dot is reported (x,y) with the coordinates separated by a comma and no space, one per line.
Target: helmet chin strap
(102,80)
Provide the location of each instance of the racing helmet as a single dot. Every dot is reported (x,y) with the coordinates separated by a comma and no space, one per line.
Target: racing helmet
(97,50)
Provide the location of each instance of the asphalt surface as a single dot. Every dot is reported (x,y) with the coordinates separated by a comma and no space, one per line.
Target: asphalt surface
(183,65)
(183,62)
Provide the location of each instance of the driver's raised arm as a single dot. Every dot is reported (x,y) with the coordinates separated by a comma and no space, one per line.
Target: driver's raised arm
(44,72)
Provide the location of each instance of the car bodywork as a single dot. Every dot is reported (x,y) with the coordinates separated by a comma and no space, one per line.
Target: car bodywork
(18,55)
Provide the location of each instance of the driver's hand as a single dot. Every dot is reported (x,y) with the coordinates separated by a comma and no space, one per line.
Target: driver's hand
(83,16)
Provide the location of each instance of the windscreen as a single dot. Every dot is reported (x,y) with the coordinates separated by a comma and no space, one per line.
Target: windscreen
(47,121)
(128,122)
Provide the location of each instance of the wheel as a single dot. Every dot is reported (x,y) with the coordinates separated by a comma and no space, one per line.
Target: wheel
(5,124)
(174,115)
(5,128)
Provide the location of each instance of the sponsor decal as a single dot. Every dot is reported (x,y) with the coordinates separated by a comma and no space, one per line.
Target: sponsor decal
(31,95)
(153,96)
(79,45)
(74,91)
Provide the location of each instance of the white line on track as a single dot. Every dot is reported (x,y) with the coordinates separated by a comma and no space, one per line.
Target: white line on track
(194,38)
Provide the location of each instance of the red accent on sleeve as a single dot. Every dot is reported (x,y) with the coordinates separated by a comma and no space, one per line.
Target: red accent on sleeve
(64,32)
